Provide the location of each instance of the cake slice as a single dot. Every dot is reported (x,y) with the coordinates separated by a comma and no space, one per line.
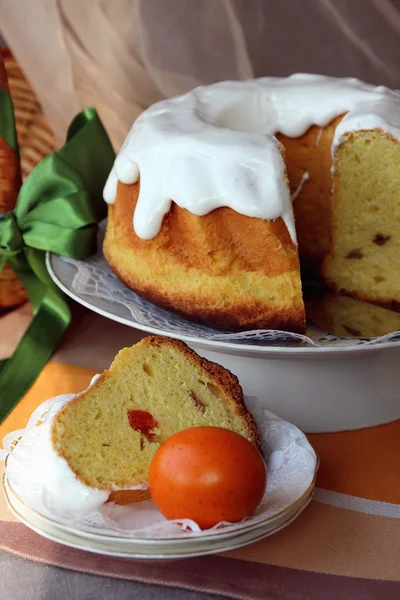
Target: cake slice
(364,257)
(109,433)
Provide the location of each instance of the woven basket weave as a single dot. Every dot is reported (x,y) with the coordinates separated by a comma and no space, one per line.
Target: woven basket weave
(35,142)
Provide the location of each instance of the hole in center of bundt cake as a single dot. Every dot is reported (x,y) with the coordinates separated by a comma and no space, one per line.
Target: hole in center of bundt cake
(143,421)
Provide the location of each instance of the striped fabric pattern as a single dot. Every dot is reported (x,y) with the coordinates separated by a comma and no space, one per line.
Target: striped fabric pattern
(345,545)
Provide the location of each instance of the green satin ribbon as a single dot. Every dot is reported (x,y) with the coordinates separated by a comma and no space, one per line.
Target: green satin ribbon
(8,131)
(57,210)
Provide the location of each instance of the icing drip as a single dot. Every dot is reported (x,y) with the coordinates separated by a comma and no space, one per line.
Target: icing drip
(40,464)
(215,145)
(35,462)
(305,177)
(317,141)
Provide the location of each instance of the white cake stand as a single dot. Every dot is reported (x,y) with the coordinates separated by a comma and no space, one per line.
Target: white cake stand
(319,388)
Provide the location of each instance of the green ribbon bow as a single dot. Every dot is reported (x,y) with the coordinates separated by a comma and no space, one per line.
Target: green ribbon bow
(57,210)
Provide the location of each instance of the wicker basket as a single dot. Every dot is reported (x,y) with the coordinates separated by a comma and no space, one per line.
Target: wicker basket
(35,141)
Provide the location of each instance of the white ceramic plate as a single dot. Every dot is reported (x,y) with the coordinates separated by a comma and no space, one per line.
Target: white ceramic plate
(129,548)
(92,283)
(139,530)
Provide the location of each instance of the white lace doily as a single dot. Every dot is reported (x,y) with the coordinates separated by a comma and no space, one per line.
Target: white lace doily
(94,281)
(291,465)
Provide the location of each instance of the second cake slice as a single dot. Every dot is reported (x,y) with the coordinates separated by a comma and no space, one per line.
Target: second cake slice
(108,434)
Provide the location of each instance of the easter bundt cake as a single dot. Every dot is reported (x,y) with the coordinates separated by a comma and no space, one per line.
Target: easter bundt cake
(109,433)
(216,194)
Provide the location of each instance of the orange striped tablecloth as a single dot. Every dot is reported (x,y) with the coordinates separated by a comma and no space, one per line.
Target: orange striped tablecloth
(345,545)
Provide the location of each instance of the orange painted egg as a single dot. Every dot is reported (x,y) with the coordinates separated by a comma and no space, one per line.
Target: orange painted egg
(207,474)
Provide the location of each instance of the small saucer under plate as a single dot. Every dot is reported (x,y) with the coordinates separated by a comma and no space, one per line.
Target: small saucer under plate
(121,547)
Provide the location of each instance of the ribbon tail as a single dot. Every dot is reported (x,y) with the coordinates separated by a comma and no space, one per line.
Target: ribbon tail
(8,130)
(57,210)
(19,372)
(52,317)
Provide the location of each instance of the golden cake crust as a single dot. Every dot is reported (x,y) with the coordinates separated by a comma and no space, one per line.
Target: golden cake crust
(223,268)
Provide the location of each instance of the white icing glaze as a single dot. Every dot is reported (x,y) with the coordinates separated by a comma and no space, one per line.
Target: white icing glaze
(35,456)
(37,464)
(215,145)
(305,177)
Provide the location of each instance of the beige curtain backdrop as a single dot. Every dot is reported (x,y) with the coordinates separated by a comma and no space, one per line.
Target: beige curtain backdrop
(122,55)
